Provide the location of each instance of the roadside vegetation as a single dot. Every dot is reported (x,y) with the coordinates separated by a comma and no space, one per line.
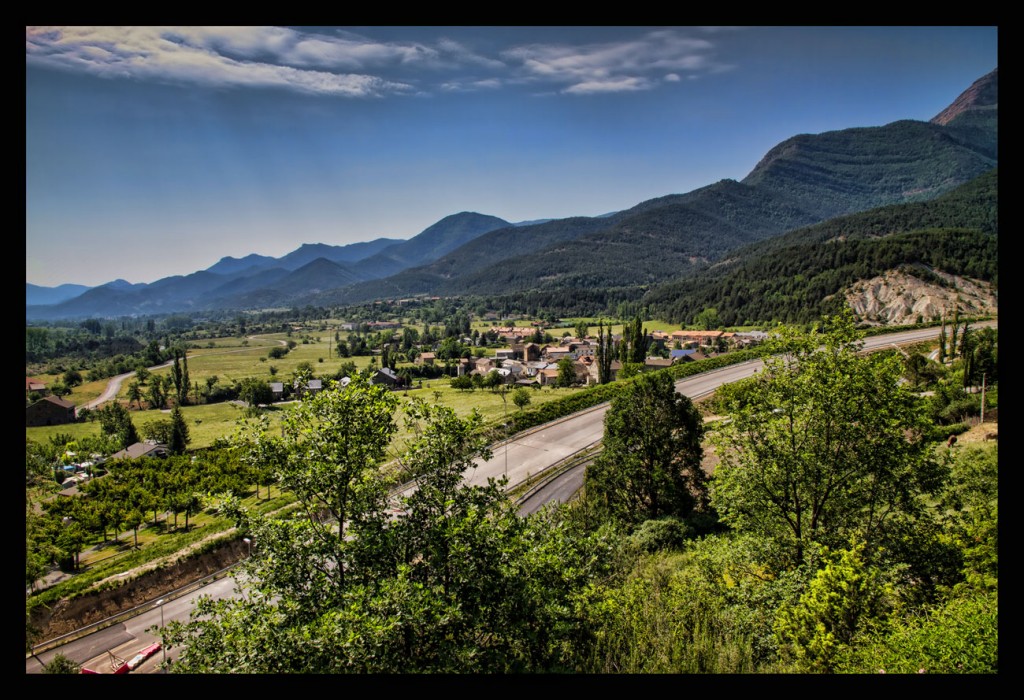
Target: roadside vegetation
(659,566)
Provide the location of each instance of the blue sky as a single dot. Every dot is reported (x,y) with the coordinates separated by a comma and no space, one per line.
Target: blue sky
(155,151)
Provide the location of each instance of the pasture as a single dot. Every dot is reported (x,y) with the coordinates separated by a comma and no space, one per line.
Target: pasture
(234,359)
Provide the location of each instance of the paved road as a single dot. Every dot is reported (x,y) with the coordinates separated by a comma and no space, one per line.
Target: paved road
(114,385)
(127,638)
(590,424)
(527,454)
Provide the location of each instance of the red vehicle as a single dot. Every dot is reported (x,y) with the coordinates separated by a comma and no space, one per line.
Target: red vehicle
(120,666)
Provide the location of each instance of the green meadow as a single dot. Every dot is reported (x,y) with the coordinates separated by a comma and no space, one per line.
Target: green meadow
(234,359)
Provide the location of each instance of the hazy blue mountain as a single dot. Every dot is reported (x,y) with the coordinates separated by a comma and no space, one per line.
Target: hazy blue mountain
(446,235)
(232,266)
(804,180)
(36,294)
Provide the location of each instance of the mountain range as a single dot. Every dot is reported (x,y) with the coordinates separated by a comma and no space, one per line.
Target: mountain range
(804,181)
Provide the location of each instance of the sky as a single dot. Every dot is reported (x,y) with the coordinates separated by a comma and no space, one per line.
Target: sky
(156,151)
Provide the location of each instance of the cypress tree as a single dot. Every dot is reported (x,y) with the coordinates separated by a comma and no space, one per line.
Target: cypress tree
(179,433)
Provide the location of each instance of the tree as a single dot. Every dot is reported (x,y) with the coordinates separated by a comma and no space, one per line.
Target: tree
(492,381)
(521,398)
(157,396)
(823,443)
(566,373)
(605,353)
(582,328)
(116,421)
(191,504)
(634,342)
(61,664)
(255,391)
(135,394)
(462,383)
(179,437)
(179,377)
(456,581)
(650,466)
(708,319)
(72,378)
(328,455)
(844,596)
(159,430)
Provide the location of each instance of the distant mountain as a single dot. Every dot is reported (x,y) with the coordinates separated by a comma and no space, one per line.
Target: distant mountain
(804,180)
(980,99)
(232,266)
(446,235)
(124,285)
(35,294)
(257,280)
(652,242)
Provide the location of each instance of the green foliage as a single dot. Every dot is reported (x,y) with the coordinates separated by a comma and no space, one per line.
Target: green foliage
(179,438)
(72,378)
(845,595)
(705,611)
(179,377)
(61,664)
(954,637)
(566,373)
(159,430)
(117,422)
(663,533)
(797,277)
(823,443)
(970,513)
(521,397)
(457,583)
(255,391)
(650,464)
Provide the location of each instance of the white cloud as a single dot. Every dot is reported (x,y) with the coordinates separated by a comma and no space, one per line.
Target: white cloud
(610,85)
(333,61)
(471,85)
(241,56)
(616,66)
(465,56)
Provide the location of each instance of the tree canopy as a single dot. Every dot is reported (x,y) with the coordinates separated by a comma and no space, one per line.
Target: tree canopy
(822,444)
(651,462)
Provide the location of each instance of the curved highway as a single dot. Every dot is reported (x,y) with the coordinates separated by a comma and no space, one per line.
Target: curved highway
(525,455)
(535,451)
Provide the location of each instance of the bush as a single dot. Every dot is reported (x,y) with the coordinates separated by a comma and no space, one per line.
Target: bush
(663,533)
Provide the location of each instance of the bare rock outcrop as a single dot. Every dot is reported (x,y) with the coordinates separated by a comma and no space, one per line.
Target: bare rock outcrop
(897,298)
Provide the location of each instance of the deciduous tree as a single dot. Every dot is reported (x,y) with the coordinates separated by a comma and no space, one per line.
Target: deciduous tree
(116,421)
(651,462)
(822,444)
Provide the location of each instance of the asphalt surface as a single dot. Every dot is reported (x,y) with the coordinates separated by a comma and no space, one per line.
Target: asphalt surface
(525,455)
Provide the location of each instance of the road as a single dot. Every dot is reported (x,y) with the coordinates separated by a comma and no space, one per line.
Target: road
(525,455)
(127,638)
(590,423)
(114,385)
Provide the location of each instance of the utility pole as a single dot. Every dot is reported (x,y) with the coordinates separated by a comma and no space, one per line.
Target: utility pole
(982,397)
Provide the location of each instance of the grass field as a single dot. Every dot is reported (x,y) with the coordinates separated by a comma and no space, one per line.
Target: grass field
(233,359)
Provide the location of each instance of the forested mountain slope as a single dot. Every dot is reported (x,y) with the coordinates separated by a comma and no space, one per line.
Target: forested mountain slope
(801,275)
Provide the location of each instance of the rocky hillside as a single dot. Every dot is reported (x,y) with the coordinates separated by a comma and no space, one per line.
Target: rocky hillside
(896,298)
